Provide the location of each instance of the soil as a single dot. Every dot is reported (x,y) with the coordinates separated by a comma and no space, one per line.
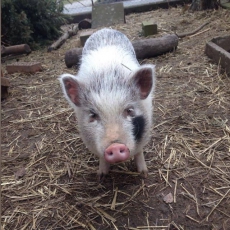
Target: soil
(49,178)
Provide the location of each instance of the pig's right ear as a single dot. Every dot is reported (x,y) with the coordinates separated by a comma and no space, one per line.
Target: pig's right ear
(71,88)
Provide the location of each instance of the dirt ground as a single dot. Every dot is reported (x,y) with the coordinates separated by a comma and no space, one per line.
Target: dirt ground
(49,178)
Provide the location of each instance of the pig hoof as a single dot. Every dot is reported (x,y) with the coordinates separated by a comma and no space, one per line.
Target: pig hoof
(144,174)
(101,177)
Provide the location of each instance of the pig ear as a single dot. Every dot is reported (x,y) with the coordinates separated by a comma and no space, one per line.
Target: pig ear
(71,88)
(144,78)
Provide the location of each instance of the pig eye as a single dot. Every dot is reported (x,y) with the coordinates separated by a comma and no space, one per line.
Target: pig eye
(93,116)
(129,112)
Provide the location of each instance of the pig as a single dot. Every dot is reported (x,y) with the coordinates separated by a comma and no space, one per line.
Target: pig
(112,98)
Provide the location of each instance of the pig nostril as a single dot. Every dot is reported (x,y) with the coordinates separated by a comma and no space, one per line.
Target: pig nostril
(116,152)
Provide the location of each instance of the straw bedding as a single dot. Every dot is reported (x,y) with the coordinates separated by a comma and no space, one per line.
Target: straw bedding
(49,177)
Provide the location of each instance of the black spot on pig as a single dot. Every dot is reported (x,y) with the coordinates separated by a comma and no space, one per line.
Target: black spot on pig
(138,127)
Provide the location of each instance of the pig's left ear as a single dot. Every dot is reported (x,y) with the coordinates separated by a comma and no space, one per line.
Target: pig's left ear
(144,78)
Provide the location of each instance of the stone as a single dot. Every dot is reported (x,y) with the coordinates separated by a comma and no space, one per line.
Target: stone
(84,35)
(24,67)
(107,15)
(225,5)
(149,28)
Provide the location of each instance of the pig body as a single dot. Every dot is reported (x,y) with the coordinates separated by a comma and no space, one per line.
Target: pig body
(112,99)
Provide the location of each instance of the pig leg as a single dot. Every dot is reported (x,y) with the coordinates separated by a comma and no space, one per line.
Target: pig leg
(103,168)
(141,164)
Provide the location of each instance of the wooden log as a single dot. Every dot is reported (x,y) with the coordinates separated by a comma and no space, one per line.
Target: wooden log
(17,49)
(63,38)
(5,83)
(152,47)
(145,48)
(85,24)
(72,57)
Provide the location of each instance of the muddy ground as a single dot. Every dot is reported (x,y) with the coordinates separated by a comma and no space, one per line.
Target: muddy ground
(49,177)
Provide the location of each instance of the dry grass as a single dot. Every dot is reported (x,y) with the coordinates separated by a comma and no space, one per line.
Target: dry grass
(49,177)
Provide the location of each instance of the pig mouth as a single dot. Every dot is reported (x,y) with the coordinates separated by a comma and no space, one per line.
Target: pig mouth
(116,153)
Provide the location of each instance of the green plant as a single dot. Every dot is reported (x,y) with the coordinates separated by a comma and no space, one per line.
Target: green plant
(31,21)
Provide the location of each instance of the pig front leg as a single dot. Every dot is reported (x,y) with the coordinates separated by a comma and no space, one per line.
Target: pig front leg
(103,169)
(141,164)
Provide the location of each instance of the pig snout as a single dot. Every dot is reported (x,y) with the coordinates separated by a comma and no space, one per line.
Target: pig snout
(116,152)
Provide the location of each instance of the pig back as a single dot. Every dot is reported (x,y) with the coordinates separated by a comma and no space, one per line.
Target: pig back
(108,37)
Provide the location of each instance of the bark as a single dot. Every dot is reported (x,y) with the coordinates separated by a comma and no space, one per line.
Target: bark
(145,48)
